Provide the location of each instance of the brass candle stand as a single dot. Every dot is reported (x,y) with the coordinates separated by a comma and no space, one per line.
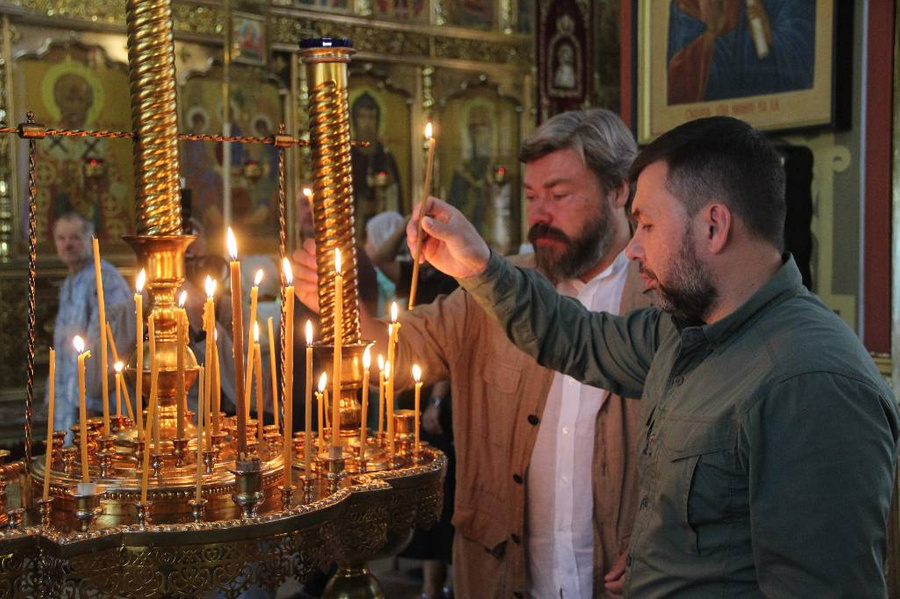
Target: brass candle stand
(102,537)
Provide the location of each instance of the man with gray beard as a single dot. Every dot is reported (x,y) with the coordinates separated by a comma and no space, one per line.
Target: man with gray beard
(546,481)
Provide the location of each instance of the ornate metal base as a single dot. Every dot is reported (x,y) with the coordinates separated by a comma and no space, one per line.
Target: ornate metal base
(353,581)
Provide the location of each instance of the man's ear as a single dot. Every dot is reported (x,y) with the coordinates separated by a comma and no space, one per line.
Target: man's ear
(718,223)
(619,196)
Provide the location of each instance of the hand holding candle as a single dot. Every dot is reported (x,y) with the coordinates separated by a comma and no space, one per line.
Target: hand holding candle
(423,210)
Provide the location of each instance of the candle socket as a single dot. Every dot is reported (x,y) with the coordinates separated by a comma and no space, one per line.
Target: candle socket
(218,442)
(87,505)
(209,460)
(15,517)
(309,486)
(120,423)
(334,465)
(107,453)
(156,462)
(59,438)
(143,513)
(287,496)
(68,458)
(138,451)
(198,509)
(248,486)
(179,449)
(46,510)
(273,442)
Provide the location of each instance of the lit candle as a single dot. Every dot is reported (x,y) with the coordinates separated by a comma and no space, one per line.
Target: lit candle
(320,400)
(118,366)
(393,333)
(209,326)
(338,338)
(78,342)
(272,369)
(104,360)
(307,397)
(48,459)
(417,376)
(201,407)
(254,302)
(151,410)
(288,397)
(367,363)
(257,359)
(139,364)
(238,340)
(181,340)
(115,353)
(423,210)
(381,375)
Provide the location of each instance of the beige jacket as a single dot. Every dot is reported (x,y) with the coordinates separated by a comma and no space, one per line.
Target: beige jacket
(498,400)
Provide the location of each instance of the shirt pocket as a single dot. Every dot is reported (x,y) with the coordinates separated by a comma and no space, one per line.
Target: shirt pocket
(694,485)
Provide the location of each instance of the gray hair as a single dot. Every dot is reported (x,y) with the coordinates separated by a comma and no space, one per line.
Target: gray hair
(598,135)
(87,227)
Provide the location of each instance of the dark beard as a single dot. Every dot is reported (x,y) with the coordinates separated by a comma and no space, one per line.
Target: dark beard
(581,254)
(691,293)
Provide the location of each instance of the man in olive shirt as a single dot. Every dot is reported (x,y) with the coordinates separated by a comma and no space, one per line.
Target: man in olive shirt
(767,463)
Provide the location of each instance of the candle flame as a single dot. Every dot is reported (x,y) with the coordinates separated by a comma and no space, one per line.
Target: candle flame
(308,332)
(307,192)
(216,335)
(78,342)
(231,242)
(380,362)
(323,382)
(210,286)
(256,332)
(428,131)
(393,311)
(258,278)
(288,272)
(417,373)
(337,261)
(141,279)
(182,299)
(119,366)
(367,358)
(387,370)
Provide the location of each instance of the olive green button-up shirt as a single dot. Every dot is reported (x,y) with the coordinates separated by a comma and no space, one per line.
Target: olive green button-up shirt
(767,464)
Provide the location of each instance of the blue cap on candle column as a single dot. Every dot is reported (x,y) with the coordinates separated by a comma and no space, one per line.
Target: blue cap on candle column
(327,42)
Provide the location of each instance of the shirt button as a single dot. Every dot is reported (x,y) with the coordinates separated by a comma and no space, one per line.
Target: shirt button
(533,420)
(628,561)
(515,538)
(517,478)
(678,380)
(565,430)
(565,480)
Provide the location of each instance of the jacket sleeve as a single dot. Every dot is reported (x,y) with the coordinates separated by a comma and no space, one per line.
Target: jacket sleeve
(431,335)
(596,348)
(819,450)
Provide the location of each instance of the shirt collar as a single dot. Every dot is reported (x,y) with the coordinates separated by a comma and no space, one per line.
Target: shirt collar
(576,286)
(786,284)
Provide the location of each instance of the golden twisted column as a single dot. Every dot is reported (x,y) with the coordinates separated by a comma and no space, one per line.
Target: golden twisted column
(329,124)
(151,60)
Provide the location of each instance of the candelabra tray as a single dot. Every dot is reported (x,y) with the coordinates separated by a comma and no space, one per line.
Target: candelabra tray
(371,515)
